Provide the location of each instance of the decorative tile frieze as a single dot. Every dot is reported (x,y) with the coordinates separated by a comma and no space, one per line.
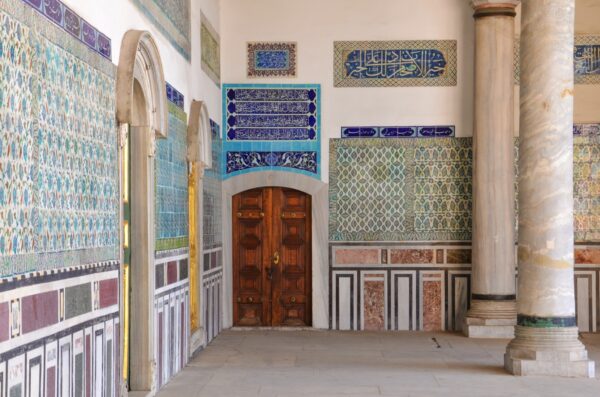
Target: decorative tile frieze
(271,126)
(395,63)
(174,96)
(399,132)
(173,19)
(210,44)
(73,24)
(586,129)
(271,59)
(171,173)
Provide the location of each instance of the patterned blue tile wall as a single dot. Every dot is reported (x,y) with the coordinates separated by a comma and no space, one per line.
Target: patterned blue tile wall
(212,195)
(271,127)
(172,181)
(58,151)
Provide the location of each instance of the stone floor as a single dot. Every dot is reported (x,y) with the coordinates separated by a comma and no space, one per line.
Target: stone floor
(327,363)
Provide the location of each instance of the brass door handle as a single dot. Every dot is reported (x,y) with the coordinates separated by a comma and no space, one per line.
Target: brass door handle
(276,258)
(293,299)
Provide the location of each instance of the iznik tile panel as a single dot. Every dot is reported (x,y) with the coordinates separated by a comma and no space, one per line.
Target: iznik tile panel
(173,19)
(212,195)
(271,126)
(211,50)
(395,63)
(172,184)
(586,155)
(276,59)
(394,190)
(175,96)
(589,129)
(73,24)
(399,132)
(58,151)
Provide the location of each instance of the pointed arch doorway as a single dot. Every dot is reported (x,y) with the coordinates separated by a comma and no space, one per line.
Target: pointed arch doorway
(272,257)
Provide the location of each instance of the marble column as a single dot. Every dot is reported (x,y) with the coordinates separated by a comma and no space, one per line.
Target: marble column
(493,306)
(546,336)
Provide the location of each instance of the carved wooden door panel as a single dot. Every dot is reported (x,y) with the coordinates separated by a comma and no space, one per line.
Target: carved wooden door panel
(272,258)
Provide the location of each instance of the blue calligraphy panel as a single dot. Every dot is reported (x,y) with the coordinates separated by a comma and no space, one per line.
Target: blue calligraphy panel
(395,64)
(587,59)
(271,126)
(268,59)
(399,132)
(272,59)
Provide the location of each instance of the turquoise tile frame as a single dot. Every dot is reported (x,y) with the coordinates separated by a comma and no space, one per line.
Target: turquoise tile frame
(271,146)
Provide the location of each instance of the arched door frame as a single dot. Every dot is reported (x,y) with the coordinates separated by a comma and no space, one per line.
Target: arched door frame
(199,156)
(142,115)
(320,215)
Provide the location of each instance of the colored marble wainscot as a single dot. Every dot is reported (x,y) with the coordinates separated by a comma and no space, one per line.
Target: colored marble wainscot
(357,257)
(271,127)
(374,303)
(210,44)
(272,59)
(39,311)
(458,256)
(587,256)
(395,63)
(173,19)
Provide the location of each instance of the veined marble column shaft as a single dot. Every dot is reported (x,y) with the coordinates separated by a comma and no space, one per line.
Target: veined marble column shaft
(493,306)
(546,336)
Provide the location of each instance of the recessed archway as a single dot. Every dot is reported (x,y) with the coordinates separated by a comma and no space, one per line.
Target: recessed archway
(142,116)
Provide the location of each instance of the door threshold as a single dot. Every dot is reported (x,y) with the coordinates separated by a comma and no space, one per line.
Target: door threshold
(241,328)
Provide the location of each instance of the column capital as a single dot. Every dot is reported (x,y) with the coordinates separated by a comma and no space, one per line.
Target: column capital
(484,8)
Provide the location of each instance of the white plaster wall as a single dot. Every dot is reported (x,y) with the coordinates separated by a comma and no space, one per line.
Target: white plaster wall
(316,24)
(115,17)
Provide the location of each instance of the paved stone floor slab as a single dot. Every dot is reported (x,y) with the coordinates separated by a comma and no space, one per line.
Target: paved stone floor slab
(271,363)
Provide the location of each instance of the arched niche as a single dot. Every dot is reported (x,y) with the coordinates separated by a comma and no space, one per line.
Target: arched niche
(142,116)
(199,136)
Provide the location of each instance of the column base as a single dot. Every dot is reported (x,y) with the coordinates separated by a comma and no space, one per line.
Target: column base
(474,327)
(549,352)
(491,319)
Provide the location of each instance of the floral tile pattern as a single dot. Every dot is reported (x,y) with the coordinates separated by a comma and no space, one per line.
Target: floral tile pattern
(272,59)
(210,44)
(172,184)
(212,195)
(173,19)
(58,149)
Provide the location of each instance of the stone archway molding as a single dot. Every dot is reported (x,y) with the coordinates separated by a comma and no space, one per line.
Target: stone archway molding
(140,60)
(199,137)
(319,192)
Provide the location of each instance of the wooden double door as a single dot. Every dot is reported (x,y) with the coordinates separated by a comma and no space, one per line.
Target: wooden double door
(272,258)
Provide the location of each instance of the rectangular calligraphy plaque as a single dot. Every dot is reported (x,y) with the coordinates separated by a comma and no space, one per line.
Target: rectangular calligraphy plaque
(395,63)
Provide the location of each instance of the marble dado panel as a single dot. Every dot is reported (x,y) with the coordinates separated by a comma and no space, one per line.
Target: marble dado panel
(271,127)
(420,190)
(272,59)
(395,63)
(399,132)
(586,62)
(212,299)
(392,286)
(172,184)
(58,325)
(173,19)
(58,151)
(210,45)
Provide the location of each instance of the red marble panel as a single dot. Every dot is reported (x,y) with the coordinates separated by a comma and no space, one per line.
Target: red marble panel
(364,256)
(432,305)
(374,305)
(4,331)
(412,256)
(51,382)
(171,272)
(587,256)
(39,311)
(109,292)
(439,256)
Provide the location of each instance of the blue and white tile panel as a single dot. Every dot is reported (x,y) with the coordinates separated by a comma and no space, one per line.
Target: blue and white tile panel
(175,96)
(436,131)
(73,24)
(586,129)
(271,127)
